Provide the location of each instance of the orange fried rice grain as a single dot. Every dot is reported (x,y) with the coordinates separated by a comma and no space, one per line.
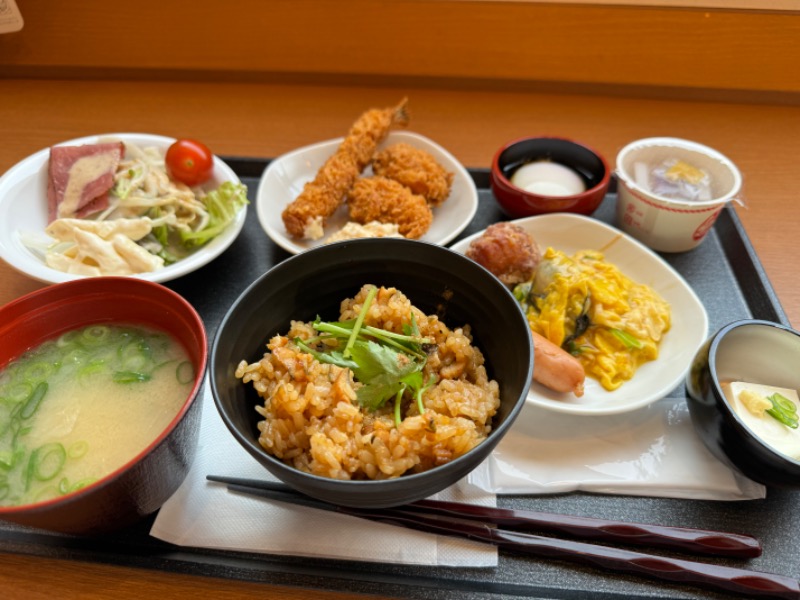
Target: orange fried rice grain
(313,422)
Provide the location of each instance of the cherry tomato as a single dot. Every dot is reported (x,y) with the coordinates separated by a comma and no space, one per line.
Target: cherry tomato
(189,162)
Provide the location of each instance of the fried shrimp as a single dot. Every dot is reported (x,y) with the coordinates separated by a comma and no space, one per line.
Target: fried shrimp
(387,201)
(416,169)
(305,216)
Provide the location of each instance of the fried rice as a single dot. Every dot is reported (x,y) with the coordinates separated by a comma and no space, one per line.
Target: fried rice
(312,419)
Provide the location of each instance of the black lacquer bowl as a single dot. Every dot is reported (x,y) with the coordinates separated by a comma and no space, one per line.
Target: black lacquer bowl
(436,280)
(753,351)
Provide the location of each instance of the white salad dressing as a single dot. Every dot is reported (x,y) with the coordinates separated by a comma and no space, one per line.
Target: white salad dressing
(85,170)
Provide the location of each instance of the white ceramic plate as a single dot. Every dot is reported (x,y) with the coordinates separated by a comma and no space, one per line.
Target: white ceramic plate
(284,178)
(654,380)
(23,209)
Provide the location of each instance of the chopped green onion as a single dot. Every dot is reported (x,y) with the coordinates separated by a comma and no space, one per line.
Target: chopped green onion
(76,356)
(82,484)
(130,377)
(39,371)
(46,493)
(185,372)
(34,400)
(6,460)
(68,338)
(96,334)
(627,339)
(47,461)
(95,365)
(783,410)
(135,355)
(78,449)
(19,392)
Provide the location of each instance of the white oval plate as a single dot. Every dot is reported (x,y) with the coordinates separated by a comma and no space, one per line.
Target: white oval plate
(284,178)
(23,208)
(655,379)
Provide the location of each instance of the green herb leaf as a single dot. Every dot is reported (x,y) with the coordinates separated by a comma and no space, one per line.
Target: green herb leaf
(333,357)
(387,364)
(627,339)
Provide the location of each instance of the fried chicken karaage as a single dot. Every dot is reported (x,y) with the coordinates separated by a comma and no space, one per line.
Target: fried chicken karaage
(416,169)
(387,201)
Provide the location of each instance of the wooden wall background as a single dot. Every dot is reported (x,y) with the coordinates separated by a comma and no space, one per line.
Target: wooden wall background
(746,56)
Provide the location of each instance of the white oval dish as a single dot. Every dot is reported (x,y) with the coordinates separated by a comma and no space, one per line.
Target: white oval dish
(284,178)
(23,209)
(653,380)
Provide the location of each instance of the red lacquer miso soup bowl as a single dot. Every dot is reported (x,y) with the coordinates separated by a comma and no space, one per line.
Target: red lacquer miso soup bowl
(99,408)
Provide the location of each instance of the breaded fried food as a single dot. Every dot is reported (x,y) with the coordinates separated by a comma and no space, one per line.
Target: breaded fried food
(387,201)
(305,216)
(416,169)
(508,251)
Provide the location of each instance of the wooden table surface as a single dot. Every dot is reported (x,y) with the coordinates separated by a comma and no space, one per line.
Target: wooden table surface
(265,120)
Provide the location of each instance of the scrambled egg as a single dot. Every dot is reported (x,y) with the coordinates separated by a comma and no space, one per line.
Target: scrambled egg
(588,307)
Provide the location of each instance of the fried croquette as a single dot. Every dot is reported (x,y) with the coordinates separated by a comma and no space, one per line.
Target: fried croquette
(305,216)
(387,201)
(508,251)
(416,169)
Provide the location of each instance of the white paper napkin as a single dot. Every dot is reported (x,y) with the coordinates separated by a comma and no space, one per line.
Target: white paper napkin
(207,515)
(653,451)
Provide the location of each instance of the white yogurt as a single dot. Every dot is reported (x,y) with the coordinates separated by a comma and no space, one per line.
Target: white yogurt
(548,179)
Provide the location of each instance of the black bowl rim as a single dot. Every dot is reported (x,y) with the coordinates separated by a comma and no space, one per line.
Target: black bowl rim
(730,415)
(261,455)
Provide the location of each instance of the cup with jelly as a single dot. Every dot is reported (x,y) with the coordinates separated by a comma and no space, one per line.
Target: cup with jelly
(672,190)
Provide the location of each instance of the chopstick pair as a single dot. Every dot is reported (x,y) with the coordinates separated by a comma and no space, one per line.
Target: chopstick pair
(484,523)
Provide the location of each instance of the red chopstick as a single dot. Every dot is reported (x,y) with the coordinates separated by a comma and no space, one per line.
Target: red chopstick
(752,584)
(696,541)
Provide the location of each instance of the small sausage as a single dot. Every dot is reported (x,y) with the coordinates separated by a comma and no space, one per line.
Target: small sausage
(555,368)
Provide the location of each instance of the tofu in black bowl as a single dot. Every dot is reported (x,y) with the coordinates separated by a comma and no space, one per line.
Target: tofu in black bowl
(743,400)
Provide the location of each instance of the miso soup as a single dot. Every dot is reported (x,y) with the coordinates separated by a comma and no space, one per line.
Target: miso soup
(80,406)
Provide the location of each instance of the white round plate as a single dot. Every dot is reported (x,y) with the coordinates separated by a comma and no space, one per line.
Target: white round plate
(655,379)
(284,178)
(23,210)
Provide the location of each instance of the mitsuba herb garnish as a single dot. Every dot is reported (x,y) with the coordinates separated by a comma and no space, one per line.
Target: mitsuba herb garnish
(386,363)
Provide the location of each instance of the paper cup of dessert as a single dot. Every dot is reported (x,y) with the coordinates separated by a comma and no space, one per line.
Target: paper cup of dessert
(671,191)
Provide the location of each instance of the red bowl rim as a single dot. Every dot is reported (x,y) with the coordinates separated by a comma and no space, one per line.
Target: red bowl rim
(117,284)
(497,172)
